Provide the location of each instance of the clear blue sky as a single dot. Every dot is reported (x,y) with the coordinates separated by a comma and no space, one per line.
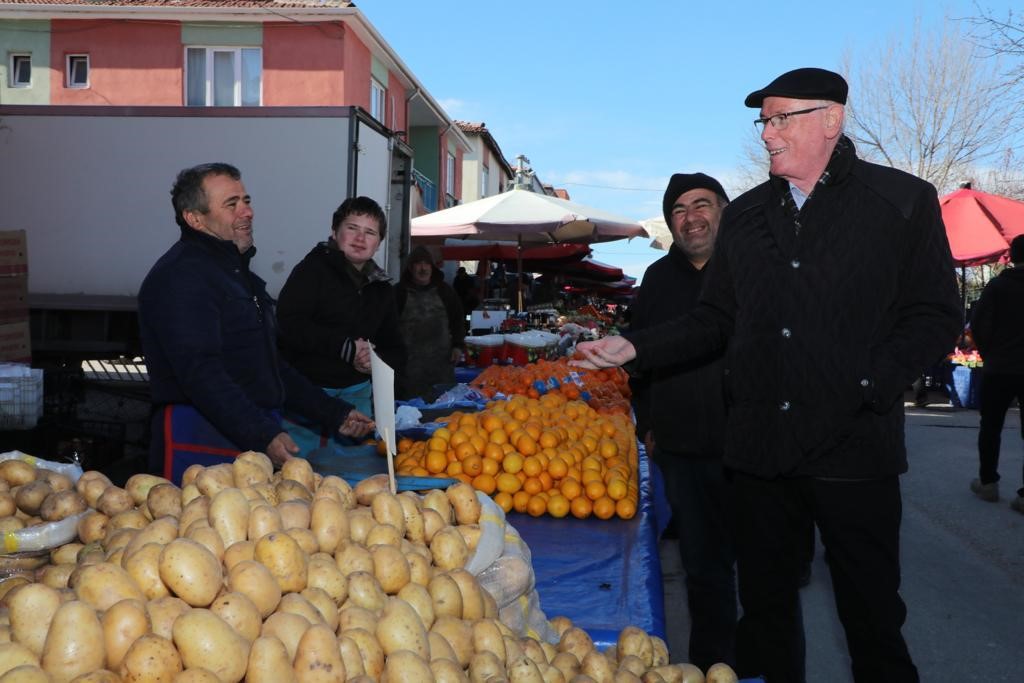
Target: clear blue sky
(608,99)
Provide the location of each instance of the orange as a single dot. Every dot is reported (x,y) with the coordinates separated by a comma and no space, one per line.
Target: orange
(581,507)
(570,488)
(494,452)
(604,508)
(512,463)
(533,429)
(558,506)
(513,426)
(545,480)
(608,449)
(558,468)
(537,506)
(479,442)
(498,436)
(490,423)
(504,500)
(419,472)
(405,443)
(436,461)
(594,489)
(587,476)
(533,485)
(473,465)
(617,489)
(467,419)
(526,445)
(520,499)
(464,450)
(532,466)
(465,478)
(442,433)
(485,483)
(491,466)
(548,439)
(625,508)
(454,468)
(508,483)
(458,438)
(435,444)
(521,414)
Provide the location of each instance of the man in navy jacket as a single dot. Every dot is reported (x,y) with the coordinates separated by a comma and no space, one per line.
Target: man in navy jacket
(209,331)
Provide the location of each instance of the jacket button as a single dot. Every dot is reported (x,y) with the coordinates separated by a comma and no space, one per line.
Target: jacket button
(865,382)
(786,333)
(784,406)
(795,263)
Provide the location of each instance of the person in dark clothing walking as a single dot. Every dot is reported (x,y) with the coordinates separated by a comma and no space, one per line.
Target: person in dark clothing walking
(432,323)
(680,414)
(998,329)
(208,330)
(830,288)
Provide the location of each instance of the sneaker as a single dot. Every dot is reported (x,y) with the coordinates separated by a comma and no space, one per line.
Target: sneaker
(1017,504)
(987,492)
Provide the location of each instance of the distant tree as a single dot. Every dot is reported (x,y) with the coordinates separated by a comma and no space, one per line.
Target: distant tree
(933,105)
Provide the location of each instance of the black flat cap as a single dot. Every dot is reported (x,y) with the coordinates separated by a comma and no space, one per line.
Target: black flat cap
(803,84)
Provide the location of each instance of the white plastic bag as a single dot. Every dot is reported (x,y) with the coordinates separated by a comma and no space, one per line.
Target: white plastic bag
(50,534)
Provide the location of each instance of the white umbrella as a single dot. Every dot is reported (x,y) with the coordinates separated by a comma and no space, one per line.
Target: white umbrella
(659,232)
(526,217)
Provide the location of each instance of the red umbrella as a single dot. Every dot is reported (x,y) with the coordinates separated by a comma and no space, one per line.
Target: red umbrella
(980,226)
(508,251)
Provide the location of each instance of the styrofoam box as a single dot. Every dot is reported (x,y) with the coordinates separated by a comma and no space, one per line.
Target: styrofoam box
(21,396)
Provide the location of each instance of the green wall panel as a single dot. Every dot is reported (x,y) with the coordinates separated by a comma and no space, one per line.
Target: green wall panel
(217,35)
(20,37)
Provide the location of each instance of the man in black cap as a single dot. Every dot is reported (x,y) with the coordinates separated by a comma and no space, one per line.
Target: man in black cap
(830,288)
(680,415)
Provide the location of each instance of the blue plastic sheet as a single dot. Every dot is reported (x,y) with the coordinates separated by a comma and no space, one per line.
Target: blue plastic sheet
(603,574)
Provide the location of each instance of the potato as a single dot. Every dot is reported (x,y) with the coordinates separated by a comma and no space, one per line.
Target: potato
(139,485)
(449,549)
(576,641)
(329,523)
(161,531)
(248,469)
(207,537)
(446,596)
(279,553)
(325,606)
(143,565)
(74,644)
(114,500)
(162,613)
(99,676)
(383,534)
(352,557)
(65,553)
(400,628)
(240,613)
(336,488)
(447,671)
(206,641)
(350,656)
(13,654)
(17,472)
(459,635)
(91,553)
(369,650)
(420,569)
(103,585)
(471,534)
(405,666)
(720,673)
(287,627)
(7,504)
(295,514)
(487,638)
(123,624)
(255,581)
(299,470)
(92,527)
(659,651)
(30,496)
(633,665)
(27,673)
(419,599)
(11,524)
(191,571)
(530,647)
(229,515)
(197,508)
(567,663)
(164,500)
(472,594)
(524,670)
(211,480)
(466,505)
(597,665)
(295,603)
(387,510)
(243,550)
(389,567)
(483,666)
(369,487)
(269,662)
(56,575)
(305,539)
(353,616)
(415,530)
(437,500)
(56,480)
(323,573)
(263,519)
(635,641)
(196,676)
(317,657)
(31,609)
(364,590)
(290,490)
(91,485)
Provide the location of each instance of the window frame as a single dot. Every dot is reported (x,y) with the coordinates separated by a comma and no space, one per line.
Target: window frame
(485,178)
(208,76)
(69,71)
(378,100)
(12,72)
(449,179)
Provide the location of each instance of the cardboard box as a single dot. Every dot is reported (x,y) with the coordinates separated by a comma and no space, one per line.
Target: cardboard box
(13,299)
(15,343)
(13,252)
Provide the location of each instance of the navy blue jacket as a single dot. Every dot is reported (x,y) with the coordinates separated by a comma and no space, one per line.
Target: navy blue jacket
(209,334)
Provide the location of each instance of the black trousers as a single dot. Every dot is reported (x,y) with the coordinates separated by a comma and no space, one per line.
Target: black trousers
(701,502)
(859,523)
(997,392)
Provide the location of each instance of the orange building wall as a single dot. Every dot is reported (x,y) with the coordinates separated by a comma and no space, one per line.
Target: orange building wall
(396,94)
(357,64)
(130,62)
(302,65)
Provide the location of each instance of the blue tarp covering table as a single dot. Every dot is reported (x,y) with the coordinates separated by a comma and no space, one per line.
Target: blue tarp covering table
(603,574)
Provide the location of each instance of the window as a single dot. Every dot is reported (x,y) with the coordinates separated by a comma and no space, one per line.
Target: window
(449,180)
(377,93)
(21,71)
(77,71)
(485,177)
(223,76)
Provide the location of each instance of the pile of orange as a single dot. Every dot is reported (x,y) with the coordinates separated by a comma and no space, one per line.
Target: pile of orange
(546,455)
(607,391)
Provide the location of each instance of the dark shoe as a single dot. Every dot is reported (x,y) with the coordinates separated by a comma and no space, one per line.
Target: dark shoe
(1017,504)
(805,575)
(987,492)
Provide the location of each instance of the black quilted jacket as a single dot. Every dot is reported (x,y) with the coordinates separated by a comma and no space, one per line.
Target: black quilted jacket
(824,325)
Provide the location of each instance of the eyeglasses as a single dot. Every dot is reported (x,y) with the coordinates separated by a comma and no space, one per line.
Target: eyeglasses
(780,121)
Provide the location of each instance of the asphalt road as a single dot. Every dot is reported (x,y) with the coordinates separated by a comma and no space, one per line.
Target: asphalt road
(963,564)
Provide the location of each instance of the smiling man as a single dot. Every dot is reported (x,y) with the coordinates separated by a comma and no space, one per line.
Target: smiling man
(208,331)
(680,415)
(831,286)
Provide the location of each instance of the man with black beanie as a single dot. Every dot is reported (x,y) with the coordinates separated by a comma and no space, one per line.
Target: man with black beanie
(998,328)
(680,414)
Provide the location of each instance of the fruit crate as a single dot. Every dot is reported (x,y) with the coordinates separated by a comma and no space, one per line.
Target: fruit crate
(21,396)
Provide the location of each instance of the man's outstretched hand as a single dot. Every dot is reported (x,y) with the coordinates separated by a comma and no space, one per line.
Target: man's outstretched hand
(608,352)
(356,425)
(282,448)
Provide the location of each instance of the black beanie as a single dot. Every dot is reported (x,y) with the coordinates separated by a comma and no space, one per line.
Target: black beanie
(684,182)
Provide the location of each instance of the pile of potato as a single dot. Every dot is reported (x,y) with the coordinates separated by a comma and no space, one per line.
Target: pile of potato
(31,496)
(247,574)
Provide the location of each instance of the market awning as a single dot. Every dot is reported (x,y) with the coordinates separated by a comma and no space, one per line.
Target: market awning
(980,226)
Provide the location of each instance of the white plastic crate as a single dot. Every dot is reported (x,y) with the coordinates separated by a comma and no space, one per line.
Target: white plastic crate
(21,396)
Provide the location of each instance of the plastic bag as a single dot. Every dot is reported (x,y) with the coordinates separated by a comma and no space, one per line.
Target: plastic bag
(50,534)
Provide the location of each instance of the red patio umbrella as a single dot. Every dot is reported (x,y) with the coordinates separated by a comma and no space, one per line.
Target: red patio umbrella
(980,226)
